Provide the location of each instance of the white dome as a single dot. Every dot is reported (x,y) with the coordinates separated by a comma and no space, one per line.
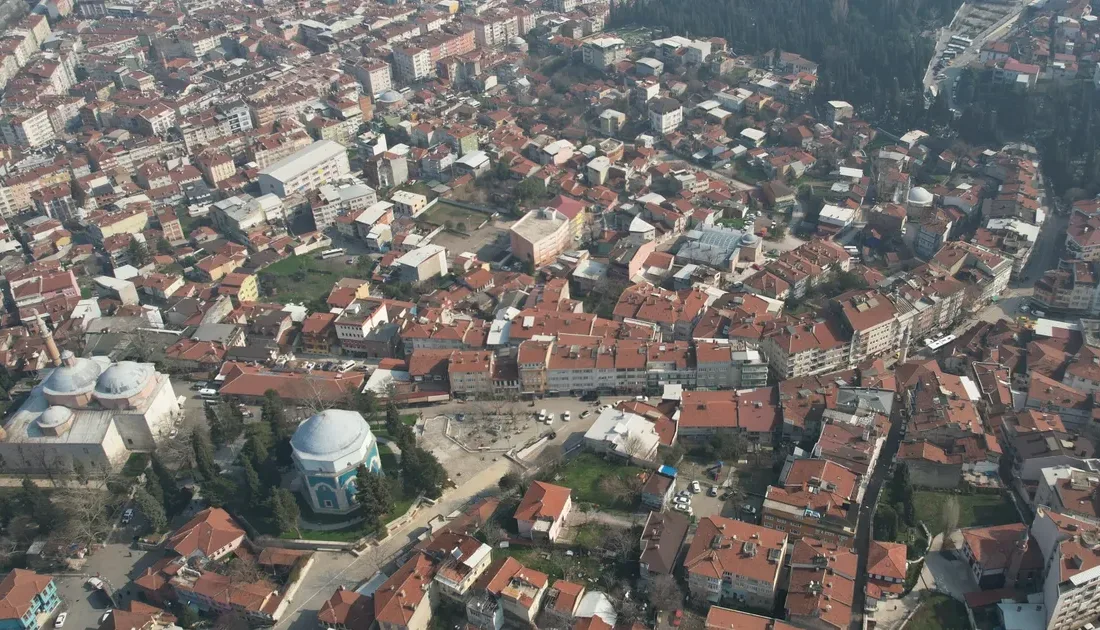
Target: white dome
(389,96)
(123,379)
(54,417)
(920,196)
(330,435)
(78,378)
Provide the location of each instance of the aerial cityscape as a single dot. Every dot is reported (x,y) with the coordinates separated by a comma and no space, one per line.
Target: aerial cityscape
(561,314)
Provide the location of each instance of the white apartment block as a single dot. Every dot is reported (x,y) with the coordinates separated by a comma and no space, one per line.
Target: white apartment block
(306,169)
(27,129)
(602,52)
(413,64)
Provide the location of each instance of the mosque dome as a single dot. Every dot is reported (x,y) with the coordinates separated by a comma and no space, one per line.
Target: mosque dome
(123,379)
(330,435)
(74,376)
(750,240)
(389,97)
(920,196)
(54,417)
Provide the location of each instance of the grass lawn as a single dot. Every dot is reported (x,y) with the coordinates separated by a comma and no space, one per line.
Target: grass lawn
(442,212)
(939,612)
(586,475)
(304,278)
(555,564)
(733,223)
(974,509)
(389,459)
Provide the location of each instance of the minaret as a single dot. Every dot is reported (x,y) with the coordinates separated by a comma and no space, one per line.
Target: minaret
(1013,575)
(51,345)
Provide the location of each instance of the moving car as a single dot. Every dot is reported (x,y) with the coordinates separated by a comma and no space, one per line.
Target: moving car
(585,414)
(106,615)
(127,516)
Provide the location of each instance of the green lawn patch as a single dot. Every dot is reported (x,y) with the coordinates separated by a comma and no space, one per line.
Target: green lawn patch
(410,418)
(939,612)
(555,563)
(388,457)
(597,481)
(442,212)
(975,510)
(304,278)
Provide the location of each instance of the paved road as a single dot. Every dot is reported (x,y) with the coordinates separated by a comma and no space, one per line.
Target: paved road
(668,156)
(866,512)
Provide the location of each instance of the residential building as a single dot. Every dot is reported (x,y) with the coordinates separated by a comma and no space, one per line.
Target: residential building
(663,537)
(542,512)
(623,435)
(506,589)
(26,599)
(818,498)
(1002,555)
(422,264)
(306,169)
(541,236)
(208,536)
(601,52)
(665,115)
(408,204)
(735,561)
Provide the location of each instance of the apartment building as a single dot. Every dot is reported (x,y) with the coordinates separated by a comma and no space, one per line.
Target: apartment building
(356,328)
(408,204)
(471,372)
(422,264)
(665,115)
(1071,559)
(796,348)
(338,198)
(987,272)
(876,328)
(1071,289)
(27,128)
(541,236)
(601,52)
(733,561)
(306,169)
(375,75)
(817,498)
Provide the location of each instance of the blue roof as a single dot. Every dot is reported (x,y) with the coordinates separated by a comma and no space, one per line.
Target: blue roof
(667,471)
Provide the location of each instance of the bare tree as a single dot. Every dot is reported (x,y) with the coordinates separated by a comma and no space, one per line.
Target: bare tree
(634,446)
(950,520)
(665,593)
(244,569)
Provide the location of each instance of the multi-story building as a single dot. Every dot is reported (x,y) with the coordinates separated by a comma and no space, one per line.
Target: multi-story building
(27,128)
(804,348)
(602,52)
(1071,559)
(1072,289)
(375,75)
(408,204)
(986,272)
(331,200)
(306,169)
(422,263)
(28,599)
(876,327)
(734,561)
(540,236)
(665,115)
(356,326)
(818,498)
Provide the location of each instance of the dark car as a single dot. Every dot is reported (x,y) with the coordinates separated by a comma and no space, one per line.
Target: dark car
(590,397)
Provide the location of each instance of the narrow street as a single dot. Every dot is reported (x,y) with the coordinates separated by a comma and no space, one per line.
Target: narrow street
(867,510)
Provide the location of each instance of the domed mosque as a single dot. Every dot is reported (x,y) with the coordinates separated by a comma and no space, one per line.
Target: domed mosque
(328,449)
(87,410)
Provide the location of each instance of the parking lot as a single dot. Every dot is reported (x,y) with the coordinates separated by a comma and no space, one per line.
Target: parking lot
(113,564)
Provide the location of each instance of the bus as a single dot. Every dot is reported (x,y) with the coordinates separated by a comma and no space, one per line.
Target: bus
(961,41)
(332,253)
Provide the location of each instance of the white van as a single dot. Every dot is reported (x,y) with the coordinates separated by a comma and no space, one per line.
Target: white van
(208,394)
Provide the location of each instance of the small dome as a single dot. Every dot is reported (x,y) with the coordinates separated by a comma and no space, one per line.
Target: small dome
(390,96)
(54,417)
(78,378)
(750,240)
(920,196)
(330,435)
(123,379)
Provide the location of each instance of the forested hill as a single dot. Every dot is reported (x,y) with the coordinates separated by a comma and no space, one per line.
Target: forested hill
(870,51)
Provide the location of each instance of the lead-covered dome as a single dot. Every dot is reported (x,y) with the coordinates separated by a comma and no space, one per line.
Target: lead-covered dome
(330,435)
(390,96)
(54,417)
(920,196)
(74,376)
(123,380)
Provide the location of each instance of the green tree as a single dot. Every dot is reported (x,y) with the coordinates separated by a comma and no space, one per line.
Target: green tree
(34,502)
(187,617)
(401,433)
(175,500)
(152,509)
(422,472)
(154,487)
(285,510)
(510,481)
(164,247)
(372,493)
(220,491)
(885,526)
(219,433)
(232,420)
(257,492)
(204,455)
(139,255)
(273,415)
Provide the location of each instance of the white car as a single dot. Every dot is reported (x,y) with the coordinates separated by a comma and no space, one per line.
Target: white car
(681,500)
(681,507)
(94,582)
(127,516)
(566,417)
(542,415)
(106,615)
(695,487)
(60,621)
(604,408)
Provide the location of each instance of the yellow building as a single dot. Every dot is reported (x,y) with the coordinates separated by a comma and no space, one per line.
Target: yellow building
(243,287)
(130,221)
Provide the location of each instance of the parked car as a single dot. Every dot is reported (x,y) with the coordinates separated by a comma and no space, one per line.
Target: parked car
(106,615)
(60,621)
(94,582)
(713,492)
(566,417)
(585,414)
(695,488)
(127,516)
